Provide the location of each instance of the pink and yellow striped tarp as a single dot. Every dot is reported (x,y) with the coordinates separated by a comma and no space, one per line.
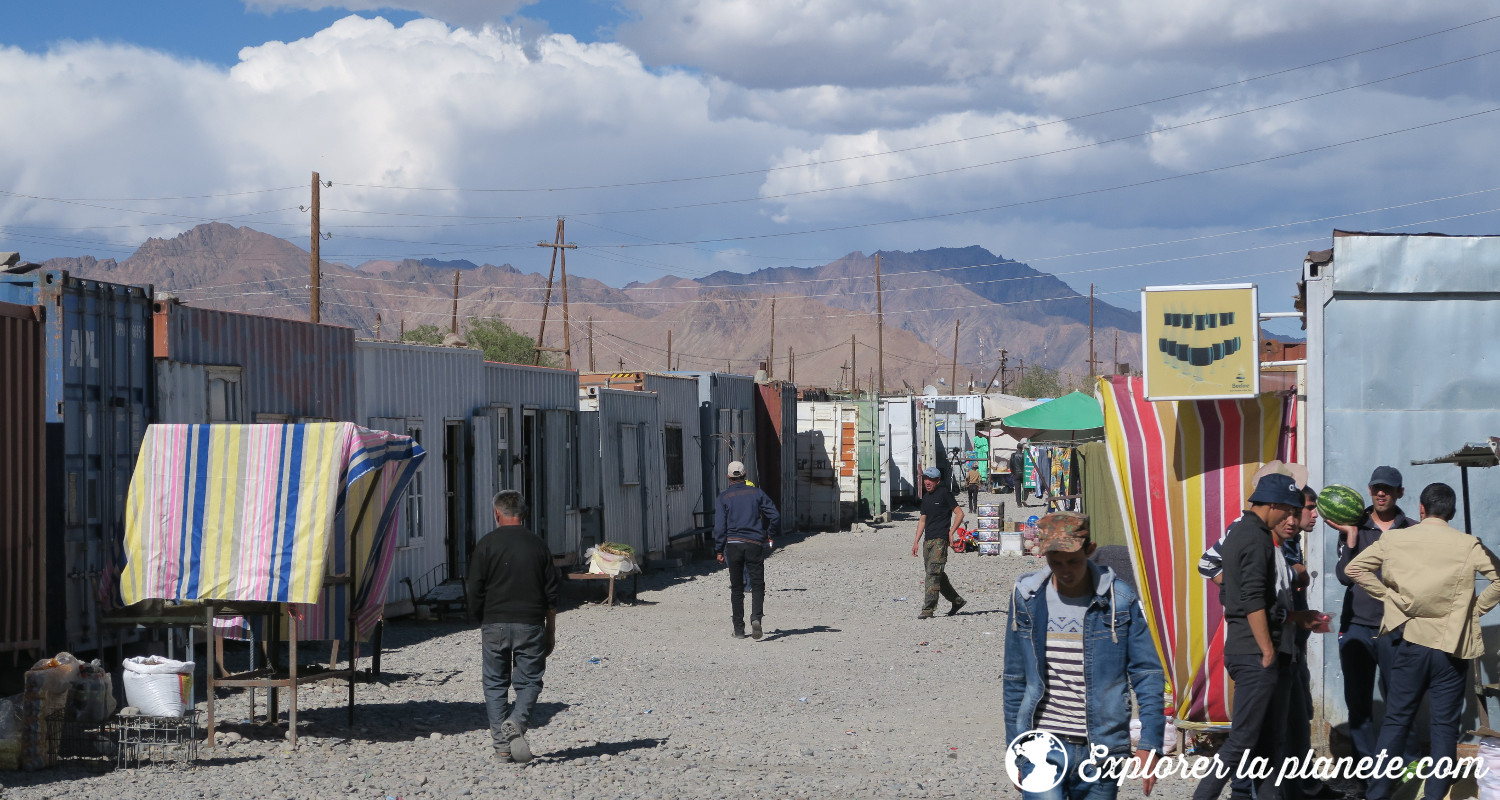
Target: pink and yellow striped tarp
(266,513)
(1183,470)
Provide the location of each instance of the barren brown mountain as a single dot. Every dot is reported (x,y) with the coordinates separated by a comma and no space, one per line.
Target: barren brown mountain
(722,321)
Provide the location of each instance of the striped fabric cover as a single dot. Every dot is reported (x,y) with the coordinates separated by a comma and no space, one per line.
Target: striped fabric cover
(1183,470)
(250,513)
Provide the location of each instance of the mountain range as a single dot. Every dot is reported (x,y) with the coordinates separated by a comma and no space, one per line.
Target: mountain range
(719,321)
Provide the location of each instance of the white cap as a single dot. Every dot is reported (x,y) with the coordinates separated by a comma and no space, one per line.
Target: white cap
(736,469)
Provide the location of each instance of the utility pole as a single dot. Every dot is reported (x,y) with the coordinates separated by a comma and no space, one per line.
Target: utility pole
(953,379)
(377,326)
(791,365)
(453,327)
(879,329)
(1003,353)
(1093,362)
(669,348)
(403,327)
(622,364)
(1116,367)
(591,344)
(557,246)
(853,366)
(315,302)
(771,357)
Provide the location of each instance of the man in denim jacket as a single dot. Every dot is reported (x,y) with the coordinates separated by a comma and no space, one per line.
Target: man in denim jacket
(1076,645)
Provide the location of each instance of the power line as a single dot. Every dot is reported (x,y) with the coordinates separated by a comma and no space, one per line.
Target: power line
(765,170)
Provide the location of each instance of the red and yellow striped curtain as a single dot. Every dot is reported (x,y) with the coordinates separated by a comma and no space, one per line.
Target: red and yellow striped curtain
(1183,469)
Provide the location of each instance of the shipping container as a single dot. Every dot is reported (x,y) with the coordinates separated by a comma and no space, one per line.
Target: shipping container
(533,442)
(624,437)
(222,366)
(899,420)
(727,416)
(99,399)
(1401,367)
(819,434)
(869,502)
(682,452)
(23,488)
(438,396)
(776,447)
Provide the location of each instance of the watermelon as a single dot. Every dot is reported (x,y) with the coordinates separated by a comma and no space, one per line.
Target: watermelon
(1341,505)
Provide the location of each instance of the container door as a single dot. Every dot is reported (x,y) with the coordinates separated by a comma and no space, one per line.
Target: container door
(868,454)
(483,471)
(559,493)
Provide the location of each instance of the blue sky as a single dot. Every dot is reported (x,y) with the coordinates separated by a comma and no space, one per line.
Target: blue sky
(1124,145)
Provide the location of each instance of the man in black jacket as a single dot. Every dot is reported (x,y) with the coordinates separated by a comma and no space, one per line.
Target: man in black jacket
(1249,595)
(512,589)
(744,523)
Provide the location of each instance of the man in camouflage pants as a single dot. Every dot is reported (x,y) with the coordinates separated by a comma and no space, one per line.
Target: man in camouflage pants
(941,516)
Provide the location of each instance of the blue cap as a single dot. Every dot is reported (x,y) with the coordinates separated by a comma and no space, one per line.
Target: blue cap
(1386,476)
(1277,489)
(932,472)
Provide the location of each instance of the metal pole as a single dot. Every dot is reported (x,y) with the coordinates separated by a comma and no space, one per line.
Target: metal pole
(879,330)
(1468,523)
(315,300)
(953,378)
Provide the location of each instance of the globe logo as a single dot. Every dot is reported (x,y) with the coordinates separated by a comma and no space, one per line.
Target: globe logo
(1027,765)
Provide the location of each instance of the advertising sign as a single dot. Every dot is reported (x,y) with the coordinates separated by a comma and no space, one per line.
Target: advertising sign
(1200,342)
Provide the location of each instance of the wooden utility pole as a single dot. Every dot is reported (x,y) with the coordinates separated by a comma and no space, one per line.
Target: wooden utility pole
(403,327)
(557,246)
(1116,367)
(1003,353)
(771,357)
(591,344)
(953,379)
(1093,362)
(669,348)
(377,326)
(993,377)
(453,327)
(791,365)
(879,330)
(315,302)
(853,366)
(622,364)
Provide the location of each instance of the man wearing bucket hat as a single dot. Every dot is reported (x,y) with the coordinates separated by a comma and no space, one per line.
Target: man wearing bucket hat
(1255,655)
(940,517)
(743,526)
(1081,694)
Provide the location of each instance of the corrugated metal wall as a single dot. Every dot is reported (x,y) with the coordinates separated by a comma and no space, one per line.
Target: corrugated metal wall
(551,395)
(100,397)
(819,438)
(632,480)
(898,419)
(677,406)
(292,369)
(423,390)
(1401,334)
(776,446)
(23,459)
(727,414)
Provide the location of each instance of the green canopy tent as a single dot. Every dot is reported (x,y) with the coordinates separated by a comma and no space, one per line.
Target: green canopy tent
(1071,419)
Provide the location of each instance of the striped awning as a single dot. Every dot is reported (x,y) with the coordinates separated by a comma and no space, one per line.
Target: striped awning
(268,513)
(1183,469)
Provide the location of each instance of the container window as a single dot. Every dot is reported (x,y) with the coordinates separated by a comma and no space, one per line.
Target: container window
(630,457)
(675,468)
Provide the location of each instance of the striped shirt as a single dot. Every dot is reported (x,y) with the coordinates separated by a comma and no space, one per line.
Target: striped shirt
(1062,708)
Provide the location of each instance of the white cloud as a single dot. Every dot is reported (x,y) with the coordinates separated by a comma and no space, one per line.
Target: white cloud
(466,13)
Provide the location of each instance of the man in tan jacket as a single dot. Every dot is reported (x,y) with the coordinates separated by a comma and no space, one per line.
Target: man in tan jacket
(1424,576)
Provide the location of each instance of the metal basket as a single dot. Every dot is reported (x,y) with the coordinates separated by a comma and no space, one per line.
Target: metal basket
(161,741)
(80,744)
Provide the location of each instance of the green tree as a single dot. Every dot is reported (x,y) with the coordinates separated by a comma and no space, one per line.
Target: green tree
(423,334)
(1038,381)
(501,342)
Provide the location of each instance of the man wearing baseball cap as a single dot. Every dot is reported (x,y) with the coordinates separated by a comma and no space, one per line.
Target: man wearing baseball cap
(743,526)
(940,517)
(1081,694)
(1366,657)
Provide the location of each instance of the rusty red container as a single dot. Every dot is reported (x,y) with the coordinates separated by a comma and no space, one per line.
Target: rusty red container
(23,523)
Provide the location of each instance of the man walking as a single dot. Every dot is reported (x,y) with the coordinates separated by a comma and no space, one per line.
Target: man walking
(940,517)
(512,588)
(1364,656)
(971,482)
(1423,576)
(1254,594)
(743,526)
(1080,693)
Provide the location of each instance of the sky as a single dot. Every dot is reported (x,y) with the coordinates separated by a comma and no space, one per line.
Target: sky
(1119,144)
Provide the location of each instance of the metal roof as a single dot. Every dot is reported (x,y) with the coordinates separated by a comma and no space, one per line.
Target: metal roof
(1474,454)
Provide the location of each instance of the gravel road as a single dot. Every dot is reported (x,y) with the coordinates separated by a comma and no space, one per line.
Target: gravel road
(848,695)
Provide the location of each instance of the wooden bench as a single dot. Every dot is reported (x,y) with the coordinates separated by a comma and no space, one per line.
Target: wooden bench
(610,599)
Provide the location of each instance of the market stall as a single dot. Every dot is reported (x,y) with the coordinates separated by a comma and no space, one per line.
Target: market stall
(265,525)
(1052,430)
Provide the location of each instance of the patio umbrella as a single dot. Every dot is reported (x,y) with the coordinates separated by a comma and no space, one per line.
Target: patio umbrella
(1073,417)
